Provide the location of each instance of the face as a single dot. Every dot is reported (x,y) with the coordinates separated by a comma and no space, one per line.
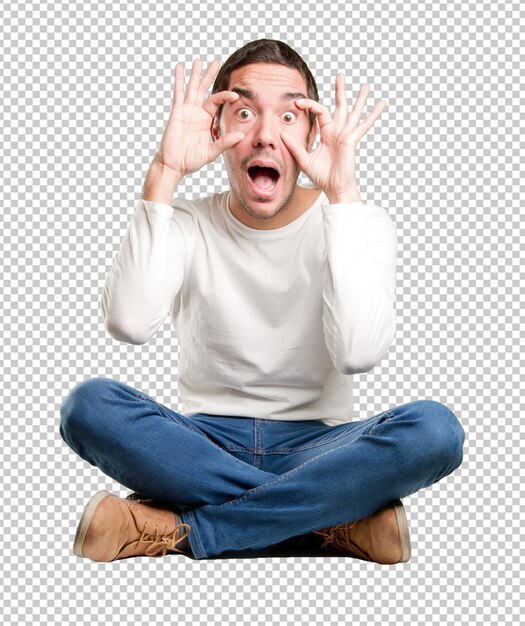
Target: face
(261,170)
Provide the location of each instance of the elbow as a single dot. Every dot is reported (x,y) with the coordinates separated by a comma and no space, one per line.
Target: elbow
(125,333)
(361,357)
(123,327)
(357,366)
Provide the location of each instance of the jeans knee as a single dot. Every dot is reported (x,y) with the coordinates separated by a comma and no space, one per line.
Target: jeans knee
(77,407)
(444,435)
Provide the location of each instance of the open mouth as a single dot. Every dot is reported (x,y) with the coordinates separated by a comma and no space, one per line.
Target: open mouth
(264,179)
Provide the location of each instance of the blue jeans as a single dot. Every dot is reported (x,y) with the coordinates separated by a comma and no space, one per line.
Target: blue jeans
(245,483)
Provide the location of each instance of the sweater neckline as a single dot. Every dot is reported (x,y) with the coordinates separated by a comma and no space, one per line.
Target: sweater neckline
(272,233)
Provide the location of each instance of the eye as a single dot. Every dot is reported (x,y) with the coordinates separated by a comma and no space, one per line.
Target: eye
(289,117)
(243,114)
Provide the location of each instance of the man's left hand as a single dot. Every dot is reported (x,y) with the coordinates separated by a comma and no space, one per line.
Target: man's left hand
(331,166)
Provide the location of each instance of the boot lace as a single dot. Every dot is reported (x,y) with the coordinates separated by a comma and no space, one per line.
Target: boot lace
(159,543)
(337,539)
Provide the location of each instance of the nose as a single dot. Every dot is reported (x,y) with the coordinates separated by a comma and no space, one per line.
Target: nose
(265,132)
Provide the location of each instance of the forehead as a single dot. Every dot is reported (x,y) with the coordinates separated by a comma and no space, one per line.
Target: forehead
(264,78)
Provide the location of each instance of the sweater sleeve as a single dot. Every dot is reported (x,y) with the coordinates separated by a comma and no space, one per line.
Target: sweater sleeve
(147,271)
(359,285)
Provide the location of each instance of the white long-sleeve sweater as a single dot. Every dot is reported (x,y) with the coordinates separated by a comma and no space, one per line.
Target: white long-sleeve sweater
(271,323)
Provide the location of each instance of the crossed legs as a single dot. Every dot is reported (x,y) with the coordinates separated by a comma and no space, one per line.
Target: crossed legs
(340,474)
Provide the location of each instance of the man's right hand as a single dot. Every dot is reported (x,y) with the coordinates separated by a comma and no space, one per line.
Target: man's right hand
(185,146)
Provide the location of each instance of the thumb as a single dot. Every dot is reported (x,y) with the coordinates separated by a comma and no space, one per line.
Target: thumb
(297,150)
(226,141)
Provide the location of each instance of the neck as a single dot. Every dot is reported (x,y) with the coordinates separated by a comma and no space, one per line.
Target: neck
(300,201)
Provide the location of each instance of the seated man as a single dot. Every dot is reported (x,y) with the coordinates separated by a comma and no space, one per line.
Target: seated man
(278,293)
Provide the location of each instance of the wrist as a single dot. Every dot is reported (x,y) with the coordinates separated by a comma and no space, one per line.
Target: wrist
(350,194)
(160,182)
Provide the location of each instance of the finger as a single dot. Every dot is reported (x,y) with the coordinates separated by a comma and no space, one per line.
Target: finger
(178,95)
(341,103)
(317,108)
(366,125)
(207,80)
(195,79)
(227,141)
(359,105)
(212,103)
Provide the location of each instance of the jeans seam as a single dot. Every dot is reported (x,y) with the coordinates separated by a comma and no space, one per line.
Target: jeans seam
(306,447)
(286,475)
(255,450)
(163,412)
(388,415)
(361,425)
(197,538)
(257,443)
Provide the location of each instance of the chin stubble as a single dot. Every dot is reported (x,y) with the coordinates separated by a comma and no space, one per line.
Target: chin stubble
(282,206)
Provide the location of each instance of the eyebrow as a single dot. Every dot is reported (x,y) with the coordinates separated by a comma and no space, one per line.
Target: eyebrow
(249,95)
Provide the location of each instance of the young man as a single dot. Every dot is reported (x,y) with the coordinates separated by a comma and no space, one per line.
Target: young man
(278,294)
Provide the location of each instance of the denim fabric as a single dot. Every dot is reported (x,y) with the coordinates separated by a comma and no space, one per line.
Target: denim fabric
(245,483)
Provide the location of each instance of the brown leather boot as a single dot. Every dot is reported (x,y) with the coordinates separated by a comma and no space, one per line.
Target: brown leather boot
(114,528)
(381,537)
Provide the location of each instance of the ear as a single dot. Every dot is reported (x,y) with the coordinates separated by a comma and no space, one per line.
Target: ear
(312,135)
(215,129)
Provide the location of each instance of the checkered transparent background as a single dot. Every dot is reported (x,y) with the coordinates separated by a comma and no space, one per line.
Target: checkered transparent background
(85,92)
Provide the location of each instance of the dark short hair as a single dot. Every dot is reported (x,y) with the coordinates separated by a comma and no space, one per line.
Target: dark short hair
(265,51)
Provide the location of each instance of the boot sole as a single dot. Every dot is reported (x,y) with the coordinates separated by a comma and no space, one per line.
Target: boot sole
(402,524)
(85,520)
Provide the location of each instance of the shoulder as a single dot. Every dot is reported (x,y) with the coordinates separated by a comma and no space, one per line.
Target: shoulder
(197,205)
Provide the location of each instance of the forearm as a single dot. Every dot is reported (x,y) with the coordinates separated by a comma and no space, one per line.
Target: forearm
(358,296)
(146,274)
(160,182)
